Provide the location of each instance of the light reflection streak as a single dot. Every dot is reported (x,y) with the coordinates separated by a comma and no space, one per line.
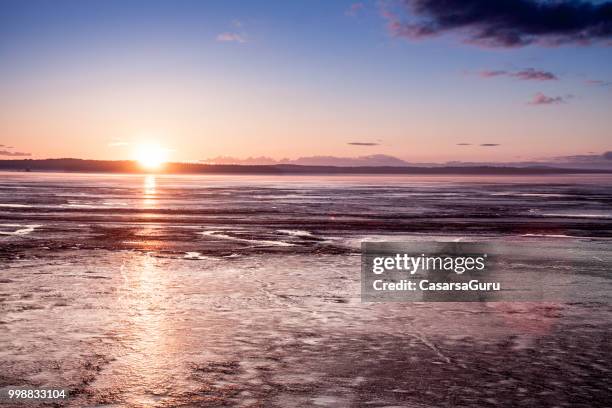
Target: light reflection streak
(149,202)
(143,366)
(150,327)
(149,191)
(143,371)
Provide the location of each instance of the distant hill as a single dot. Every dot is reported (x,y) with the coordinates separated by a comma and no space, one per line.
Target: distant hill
(124,166)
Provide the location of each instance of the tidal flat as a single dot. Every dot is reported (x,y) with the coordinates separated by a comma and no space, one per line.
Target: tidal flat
(190,292)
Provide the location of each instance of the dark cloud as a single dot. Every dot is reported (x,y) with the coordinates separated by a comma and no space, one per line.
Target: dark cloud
(529,74)
(541,99)
(505,23)
(489,144)
(607,155)
(363,144)
(17,154)
(464,144)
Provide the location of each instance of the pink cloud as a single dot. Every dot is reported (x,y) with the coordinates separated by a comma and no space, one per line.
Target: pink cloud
(231,37)
(14,154)
(541,99)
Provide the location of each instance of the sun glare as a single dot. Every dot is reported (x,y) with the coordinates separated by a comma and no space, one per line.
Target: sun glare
(150,156)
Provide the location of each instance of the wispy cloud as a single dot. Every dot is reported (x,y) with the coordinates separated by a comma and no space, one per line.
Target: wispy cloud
(363,144)
(529,74)
(14,154)
(354,9)
(506,23)
(464,144)
(598,82)
(541,99)
(117,142)
(490,144)
(232,37)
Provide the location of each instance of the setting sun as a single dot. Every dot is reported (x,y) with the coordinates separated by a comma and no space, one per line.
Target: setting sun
(150,156)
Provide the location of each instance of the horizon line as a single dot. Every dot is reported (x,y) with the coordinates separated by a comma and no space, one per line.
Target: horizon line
(72,165)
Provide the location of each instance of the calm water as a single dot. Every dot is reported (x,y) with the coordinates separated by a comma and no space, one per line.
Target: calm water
(160,291)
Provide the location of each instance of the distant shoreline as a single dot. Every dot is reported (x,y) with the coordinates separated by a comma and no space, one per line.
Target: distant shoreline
(131,167)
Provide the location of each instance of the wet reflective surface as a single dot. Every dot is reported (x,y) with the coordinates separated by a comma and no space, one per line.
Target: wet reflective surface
(192,291)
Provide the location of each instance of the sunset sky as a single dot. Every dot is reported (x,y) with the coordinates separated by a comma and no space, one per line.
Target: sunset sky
(94,79)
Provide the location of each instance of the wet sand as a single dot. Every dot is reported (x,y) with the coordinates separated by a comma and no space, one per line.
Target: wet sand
(134,329)
(190,292)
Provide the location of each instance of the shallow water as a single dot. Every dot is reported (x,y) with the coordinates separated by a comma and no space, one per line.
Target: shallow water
(244,291)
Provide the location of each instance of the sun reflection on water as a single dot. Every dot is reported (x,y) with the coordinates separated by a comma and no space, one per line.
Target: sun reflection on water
(150,326)
(149,230)
(149,191)
(144,365)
